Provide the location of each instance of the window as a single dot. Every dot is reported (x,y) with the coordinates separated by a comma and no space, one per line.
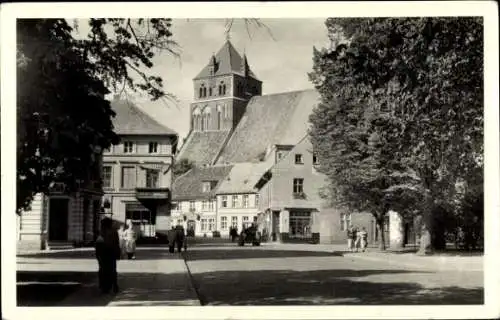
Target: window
(153,147)
(279,156)
(204,205)
(298,159)
(128,147)
(300,225)
(204,225)
(206,186)
(201,93)
(345,221)
(298,185)
(234,221)
(246,219)
(223,89)
(211,224)
(211,205)
(315,159)
(224,201)
(257,199)
(152,178)
(223,223)
(175,206)
(245,201)
(204,91)
(210,91)
(192,206)
(235,202)
(106,176)
(179,222)
(128,177)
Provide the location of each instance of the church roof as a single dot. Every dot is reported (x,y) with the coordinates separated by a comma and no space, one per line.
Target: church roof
(228,61)
(270,120)
(202,147)
(130,120)
(189,185)
(243,177)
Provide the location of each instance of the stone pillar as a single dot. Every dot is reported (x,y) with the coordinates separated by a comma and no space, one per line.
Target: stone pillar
(396,230)
(315,226)
(284,225)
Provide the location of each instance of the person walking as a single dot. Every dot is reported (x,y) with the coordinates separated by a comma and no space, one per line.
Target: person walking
(171,235)
(355,238)
(364,239)
(180,238)
(130,239)
(107,249)
(350,231)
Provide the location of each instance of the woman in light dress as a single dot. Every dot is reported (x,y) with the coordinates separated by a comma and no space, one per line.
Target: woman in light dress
(121,235)
(130,238)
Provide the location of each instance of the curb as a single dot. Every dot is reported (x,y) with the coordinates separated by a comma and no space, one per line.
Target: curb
(201,299)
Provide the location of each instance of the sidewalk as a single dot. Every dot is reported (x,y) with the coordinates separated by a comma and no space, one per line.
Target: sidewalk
(155,278)
(406,260)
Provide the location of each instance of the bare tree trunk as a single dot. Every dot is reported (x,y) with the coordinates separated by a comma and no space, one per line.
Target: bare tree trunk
(426,233)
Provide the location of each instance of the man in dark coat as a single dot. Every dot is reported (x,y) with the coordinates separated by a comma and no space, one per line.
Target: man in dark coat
(180,238)
(171,236)
(107,249)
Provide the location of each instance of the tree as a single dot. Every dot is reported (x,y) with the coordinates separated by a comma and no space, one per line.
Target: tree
(427,74)
(64,120)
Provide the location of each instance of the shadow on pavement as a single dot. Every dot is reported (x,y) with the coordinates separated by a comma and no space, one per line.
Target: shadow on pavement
(56,289)
(330,287)
(37,288)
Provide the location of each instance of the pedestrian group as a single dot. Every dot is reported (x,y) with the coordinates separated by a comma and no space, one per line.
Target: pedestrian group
(357,239)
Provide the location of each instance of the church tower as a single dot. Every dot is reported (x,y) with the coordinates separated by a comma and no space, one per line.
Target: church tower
(222,90)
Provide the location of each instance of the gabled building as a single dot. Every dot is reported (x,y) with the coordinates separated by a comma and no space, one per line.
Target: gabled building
(136,173)
(194,202)
(237,198)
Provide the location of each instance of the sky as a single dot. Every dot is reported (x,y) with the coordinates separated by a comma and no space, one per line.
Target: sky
(280,61)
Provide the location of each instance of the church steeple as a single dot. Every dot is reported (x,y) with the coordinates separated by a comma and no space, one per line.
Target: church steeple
(244,65)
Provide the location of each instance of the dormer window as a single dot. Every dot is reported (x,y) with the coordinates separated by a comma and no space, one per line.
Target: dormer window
(206,186)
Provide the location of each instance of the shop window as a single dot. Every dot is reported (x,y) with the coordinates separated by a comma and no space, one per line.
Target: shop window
(300,225)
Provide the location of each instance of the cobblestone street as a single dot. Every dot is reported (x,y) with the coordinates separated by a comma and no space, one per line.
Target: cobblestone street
(267,275)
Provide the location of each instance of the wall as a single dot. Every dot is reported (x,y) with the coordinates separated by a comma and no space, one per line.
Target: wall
(284,173)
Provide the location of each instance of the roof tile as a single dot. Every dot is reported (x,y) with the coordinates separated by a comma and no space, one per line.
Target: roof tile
(130,120)
(189,185)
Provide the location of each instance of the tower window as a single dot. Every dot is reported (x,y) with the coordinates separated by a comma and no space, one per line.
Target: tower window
(204,92)
(210,91)
(201,92)
(223,89)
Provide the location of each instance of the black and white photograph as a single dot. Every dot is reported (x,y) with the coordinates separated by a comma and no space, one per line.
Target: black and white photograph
(193,155)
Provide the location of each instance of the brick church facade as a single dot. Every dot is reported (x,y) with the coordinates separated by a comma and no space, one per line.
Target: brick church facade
(252,153)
